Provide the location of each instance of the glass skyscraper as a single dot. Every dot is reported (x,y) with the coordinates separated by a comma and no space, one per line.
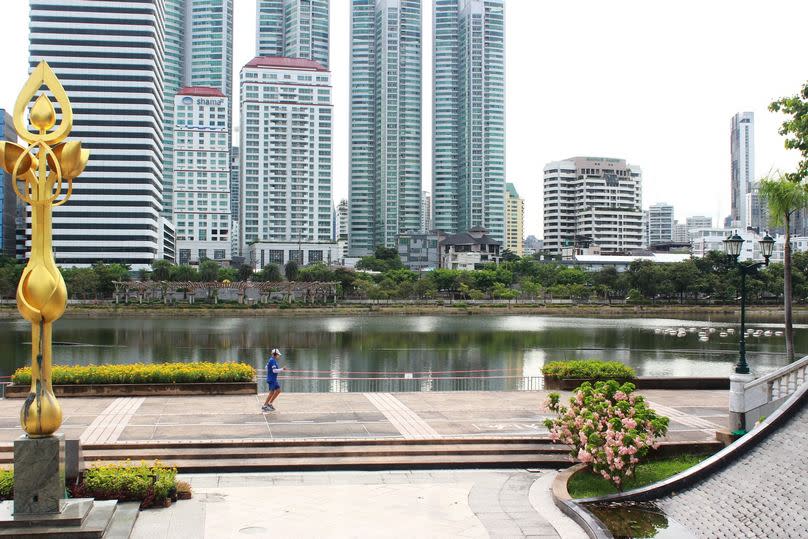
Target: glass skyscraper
(293,28)
(469,116)
(385,158)
(198,52)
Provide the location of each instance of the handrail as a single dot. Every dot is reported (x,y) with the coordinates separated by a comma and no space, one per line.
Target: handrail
(801,363)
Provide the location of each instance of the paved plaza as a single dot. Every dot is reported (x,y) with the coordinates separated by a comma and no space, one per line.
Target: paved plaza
(695,415)
(468,503)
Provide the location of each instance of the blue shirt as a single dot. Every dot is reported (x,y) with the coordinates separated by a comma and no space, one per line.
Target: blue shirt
(272,364)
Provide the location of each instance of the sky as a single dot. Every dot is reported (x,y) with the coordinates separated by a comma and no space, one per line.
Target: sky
(652,82)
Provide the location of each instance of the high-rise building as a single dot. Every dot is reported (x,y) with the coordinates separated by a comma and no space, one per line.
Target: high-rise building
(679,233)
(514,221)
(468,143)
(757,210)
(699,221)
(426,211)
(385,158)
(113,74)
(659,224)
(9,205)
(198,53)
(592,200)
(286,148)
(341,232)
(201,175)
(293,28)
(235,182)
(742,148)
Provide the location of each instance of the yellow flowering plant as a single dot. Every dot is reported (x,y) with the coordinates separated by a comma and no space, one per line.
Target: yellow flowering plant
(143,373)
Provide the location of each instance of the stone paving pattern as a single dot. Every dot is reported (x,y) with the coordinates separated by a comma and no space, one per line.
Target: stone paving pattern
(444,503)
(763,494)
(341,415)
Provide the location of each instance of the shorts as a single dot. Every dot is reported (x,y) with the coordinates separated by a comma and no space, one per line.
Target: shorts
(273,385)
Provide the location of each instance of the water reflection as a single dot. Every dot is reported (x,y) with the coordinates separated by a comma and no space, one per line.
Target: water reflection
(634,520)
(329,347)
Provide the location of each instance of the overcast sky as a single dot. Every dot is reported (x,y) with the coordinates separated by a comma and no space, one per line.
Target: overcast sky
(653,82)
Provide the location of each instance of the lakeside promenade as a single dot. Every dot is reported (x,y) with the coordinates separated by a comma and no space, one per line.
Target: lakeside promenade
(695,416)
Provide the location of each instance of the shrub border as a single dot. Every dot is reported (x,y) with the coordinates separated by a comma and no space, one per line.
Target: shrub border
(140,390)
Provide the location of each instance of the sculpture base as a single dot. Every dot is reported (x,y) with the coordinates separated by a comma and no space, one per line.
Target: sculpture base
(80,518)
(39,480)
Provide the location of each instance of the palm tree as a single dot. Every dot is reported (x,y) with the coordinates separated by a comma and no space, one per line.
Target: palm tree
(785,197)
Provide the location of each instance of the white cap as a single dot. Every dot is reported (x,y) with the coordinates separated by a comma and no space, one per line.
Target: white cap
(276,351)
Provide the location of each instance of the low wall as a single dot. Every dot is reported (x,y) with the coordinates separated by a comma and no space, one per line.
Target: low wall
(141,390)
(645,382)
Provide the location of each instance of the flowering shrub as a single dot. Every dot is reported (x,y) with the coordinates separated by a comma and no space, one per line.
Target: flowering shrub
(608,427)
(139,373)
(151,484)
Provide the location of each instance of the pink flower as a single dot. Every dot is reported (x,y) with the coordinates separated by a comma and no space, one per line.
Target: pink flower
(620,396)
(584,456)
(629,423)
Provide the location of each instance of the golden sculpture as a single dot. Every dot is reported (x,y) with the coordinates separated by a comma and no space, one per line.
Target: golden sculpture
(45,171)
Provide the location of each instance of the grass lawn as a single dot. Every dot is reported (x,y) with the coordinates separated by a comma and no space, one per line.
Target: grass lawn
(585,484)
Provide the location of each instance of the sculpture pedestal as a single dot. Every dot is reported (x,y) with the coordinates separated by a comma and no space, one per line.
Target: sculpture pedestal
(39,475)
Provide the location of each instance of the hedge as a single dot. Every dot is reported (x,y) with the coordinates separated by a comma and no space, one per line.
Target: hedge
(140,373)
(590,369)
(153,484)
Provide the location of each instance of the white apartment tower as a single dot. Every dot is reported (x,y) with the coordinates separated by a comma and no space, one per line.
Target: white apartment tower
(659,224)
(742,148)
(286,148)
(593,200)
(201,175)
(426,211)
(113,74)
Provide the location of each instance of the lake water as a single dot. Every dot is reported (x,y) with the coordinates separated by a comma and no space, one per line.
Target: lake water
(403,352)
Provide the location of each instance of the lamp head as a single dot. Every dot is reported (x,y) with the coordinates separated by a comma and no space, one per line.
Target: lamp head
(767,247)
(732,245)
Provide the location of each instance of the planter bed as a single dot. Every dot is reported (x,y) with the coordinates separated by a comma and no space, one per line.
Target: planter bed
(141,390)
(644,382)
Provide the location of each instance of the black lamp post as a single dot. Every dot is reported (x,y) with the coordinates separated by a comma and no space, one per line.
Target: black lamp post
(732,246)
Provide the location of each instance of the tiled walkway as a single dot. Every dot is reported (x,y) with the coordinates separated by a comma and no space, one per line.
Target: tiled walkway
(694,416)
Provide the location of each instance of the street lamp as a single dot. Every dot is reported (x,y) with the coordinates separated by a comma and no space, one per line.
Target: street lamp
(732,246)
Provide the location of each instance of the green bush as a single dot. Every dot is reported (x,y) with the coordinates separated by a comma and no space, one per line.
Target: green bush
(6,485)
(598,370)
(140,373)
(153,484)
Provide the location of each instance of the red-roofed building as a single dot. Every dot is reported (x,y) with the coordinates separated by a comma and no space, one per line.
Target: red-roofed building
(287,63)
(200,91)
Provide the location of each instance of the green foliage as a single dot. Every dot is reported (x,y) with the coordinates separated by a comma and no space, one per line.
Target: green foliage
(140,373)
(161,270)
(586,484)
(271,273)
(208,271)
(383,259)
(6,485)
(291,270)
(784,197)
(183,273)
(795,128)
(245,272)
(316,272)
(590,369)
(153,484)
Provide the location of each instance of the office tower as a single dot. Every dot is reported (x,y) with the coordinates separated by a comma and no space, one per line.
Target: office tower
(679,234)
(293,28)
(113,74)
(10,207)
(699,221)
(286,147)
(514,220)
(592,200)
(468,162)
(341,232)
(426,211)
(198,53)
(757,210)
(659,224)
(742,147)
(201,175)
(235,182)
(385,158)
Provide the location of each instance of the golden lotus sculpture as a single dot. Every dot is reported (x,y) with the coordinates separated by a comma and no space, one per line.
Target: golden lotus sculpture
(42,175)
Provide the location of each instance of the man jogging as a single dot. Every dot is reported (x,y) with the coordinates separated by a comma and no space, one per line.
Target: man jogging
(272,380)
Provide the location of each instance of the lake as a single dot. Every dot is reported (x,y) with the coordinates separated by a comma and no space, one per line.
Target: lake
(338,353)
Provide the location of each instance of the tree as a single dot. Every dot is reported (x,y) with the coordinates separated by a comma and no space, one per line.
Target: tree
(228,274)
(183,273)
(795,129)
(291,270)
(106,273)
(316,272)
(208,271)
(161,270)
(245,272)
(271,273)
(785,197)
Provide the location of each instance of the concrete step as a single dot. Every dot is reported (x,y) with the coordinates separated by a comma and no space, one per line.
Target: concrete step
(123,520)
(163,453)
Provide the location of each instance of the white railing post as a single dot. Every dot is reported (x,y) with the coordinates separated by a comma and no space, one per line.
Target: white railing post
(737,400)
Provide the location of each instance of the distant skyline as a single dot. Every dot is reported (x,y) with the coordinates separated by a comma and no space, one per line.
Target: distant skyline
(654,84)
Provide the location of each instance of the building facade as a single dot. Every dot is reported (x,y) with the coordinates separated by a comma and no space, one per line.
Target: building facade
(514,221)
(12,210)
(592,200)
(699,221)
(469,250)
(293,28)
(426,211)
(385,138)
(202,215)
(286,151)
(419,250)
(198,53)
(659,224)
(757,210)
(261,253)
(114,75)
(468,116)
(742,150)
(680,233)
(235,182)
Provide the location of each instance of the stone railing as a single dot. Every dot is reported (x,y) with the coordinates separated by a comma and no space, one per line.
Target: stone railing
(751,399)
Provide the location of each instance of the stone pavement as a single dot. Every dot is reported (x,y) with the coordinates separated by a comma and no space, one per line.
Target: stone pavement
(762,494)
(469,503)
(695,415)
